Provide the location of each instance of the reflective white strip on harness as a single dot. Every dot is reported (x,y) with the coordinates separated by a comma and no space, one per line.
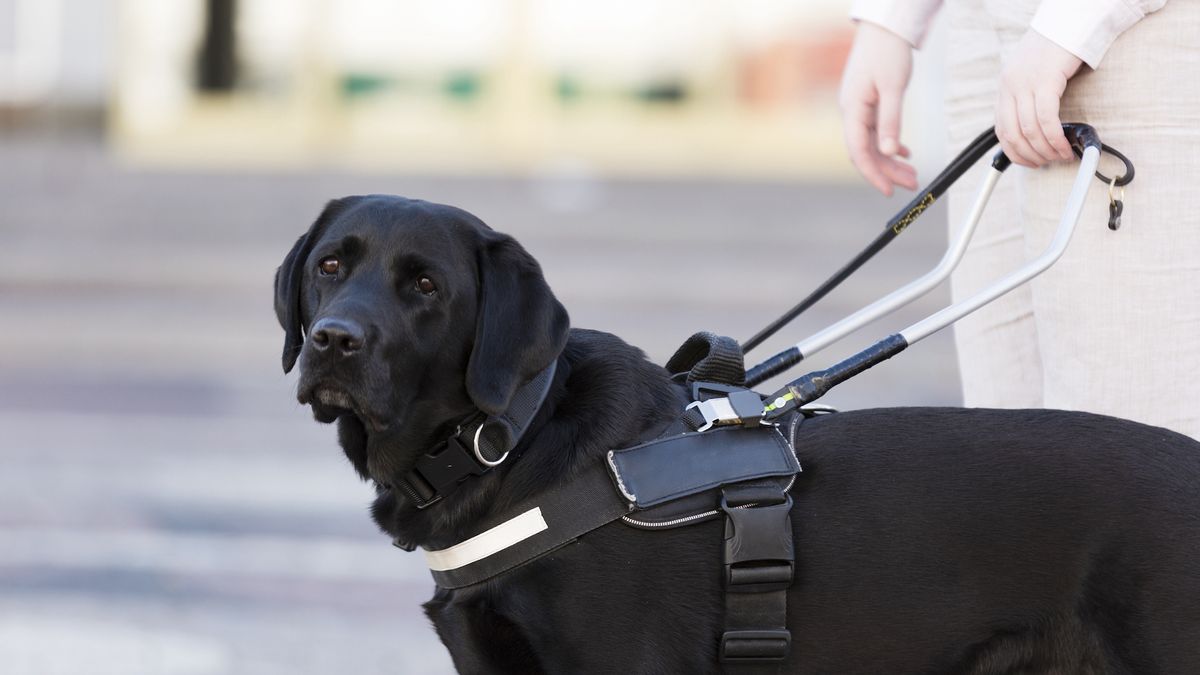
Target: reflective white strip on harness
(484,544)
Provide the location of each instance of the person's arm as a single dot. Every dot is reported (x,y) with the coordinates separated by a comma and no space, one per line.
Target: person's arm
(873,84)
(1087,28)
(910,19)
(1063,35)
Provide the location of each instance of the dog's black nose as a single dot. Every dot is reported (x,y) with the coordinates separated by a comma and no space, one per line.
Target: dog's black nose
(342,335)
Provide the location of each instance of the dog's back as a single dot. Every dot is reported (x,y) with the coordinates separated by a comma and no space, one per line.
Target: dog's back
(990,541)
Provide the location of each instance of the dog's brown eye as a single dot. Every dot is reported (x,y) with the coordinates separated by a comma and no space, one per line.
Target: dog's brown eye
(426,285)
(329,266)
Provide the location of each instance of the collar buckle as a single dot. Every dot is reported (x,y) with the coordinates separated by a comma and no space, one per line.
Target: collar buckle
(440,472)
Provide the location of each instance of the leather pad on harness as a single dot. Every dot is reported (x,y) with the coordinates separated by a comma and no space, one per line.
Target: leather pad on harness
(675,467)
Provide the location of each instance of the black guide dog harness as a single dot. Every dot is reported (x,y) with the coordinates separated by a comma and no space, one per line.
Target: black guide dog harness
(718,460)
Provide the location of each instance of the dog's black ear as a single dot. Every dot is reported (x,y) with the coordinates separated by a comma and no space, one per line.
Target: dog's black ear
(520,329)
(289,280)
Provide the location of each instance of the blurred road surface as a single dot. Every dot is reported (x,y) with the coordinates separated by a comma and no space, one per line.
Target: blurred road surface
(166,507)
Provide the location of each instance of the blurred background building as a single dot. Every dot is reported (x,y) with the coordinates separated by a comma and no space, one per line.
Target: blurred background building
(165,504)
(625,87)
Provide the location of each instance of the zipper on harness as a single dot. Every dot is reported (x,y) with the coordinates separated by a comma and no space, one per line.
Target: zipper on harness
(671,523)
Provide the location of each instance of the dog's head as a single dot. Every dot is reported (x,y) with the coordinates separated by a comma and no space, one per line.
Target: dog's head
(410,316)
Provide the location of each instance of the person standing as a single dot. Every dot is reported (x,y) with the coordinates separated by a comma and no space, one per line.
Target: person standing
(1114,326)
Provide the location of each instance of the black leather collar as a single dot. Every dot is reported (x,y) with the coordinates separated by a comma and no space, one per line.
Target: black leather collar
(480,443)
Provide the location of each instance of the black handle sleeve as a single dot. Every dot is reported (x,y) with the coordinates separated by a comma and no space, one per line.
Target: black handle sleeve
(813,386)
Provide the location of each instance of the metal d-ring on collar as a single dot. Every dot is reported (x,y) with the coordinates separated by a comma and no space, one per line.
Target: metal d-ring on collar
(479,455)
(441,470)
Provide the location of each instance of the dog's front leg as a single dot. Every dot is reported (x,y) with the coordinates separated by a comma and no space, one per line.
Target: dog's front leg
(481,641)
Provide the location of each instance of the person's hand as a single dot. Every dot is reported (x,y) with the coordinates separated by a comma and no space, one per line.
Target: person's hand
(871,98)
(1031,88)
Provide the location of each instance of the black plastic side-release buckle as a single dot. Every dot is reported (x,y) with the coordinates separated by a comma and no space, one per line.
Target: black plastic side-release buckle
(759,553)
(759,567)
(442,472)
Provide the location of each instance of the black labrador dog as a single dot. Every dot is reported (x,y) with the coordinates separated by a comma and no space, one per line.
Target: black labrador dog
(928,540)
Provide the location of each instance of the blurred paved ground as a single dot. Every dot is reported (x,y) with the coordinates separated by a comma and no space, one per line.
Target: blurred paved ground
(167,507)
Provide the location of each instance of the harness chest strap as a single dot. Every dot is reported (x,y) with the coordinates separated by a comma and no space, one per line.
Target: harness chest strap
(640,477)
(543,524)
(506,534)
(759,569)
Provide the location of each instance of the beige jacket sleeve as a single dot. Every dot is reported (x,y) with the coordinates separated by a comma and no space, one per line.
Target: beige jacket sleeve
(1086,28)
(910,19)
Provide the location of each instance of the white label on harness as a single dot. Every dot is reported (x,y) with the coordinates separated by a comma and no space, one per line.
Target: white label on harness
(500,537)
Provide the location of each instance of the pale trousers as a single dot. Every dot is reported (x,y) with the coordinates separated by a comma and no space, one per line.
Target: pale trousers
(1114,326)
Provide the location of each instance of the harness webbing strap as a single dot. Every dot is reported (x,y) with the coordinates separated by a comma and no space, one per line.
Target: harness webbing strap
(564,519)
(746,647)
(759,560)
(707,357)
(509,533)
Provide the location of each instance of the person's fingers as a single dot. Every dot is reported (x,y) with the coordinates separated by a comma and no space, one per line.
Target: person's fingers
(899,173)
(871,93)
(860,121)
(888,128)
(1031,129)
(1032,81)
(860,143)
(1047,102)
(1009,133)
